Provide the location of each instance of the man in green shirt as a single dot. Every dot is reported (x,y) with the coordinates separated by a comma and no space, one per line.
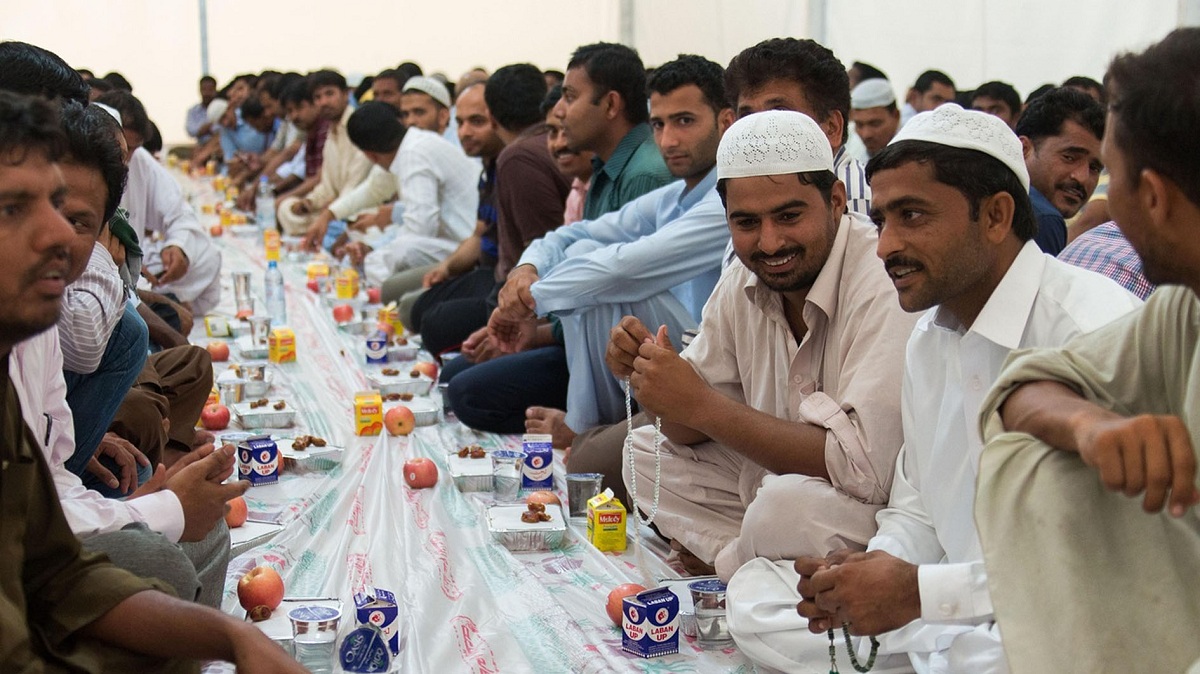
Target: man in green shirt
(1087,486)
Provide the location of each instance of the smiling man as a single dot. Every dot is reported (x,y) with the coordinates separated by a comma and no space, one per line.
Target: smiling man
(1060,134)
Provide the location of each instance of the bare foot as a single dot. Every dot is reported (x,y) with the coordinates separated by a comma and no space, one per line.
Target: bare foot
(203,438)
(551,422)
(691,563)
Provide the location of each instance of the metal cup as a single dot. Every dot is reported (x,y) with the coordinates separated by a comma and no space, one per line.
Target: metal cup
(231,391)
(241,291)
(444,392)
(506,474)
(712,628)
(260,331)
(580,488)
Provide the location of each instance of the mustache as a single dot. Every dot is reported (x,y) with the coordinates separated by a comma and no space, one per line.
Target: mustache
(1071,184)
(759,256)
(894,261)
(58,257)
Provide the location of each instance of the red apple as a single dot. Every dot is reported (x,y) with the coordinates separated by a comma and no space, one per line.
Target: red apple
(236,515)
(399,421)
(216,230)
(543,497)
(343,313)
(219,351)
(314,285)
(374,295)
(615,598)
(261,588)
(387,328)
(214,417)
(420,473)
(428,369)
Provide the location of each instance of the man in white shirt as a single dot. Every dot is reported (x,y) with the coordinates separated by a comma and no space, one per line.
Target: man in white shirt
(437,186)
(950,197)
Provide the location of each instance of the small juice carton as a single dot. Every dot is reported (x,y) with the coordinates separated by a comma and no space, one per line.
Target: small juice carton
(606,522)
(346,285)
(317,271)
(281,346)
(379,608)
(217,326)
(538,472)
(258,459)
(368,413)
(390,313)
(377,347)
(271,243)
(650,623)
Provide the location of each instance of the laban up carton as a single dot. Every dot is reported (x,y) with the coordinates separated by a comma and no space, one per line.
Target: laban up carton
(606,522)
(650,623)
(258,459)
(378,608)
(537,473)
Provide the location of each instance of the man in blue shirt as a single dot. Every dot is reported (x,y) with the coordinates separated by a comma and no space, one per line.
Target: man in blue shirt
(1060,133)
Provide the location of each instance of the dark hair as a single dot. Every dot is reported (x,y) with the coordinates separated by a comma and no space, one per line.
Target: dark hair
(556,74)
(133,114)
(363,87)
(208,78)
(868,72)
(375,127)
(409,70)
(394,75)
(85,73)
(118,81)
(1083,82)
(28,123)
(976,175)
(91,135)
(822,180)
(297,92)
(615,67)
(27,69)
(514,96)
(551,100)
(813,66)
(100,85)
(1039,92)
(252,108)
(686,69)
(1152,98)
(1001,91)
(1045,116)
(153,141)
(325,78)
(927,79)
(282,83)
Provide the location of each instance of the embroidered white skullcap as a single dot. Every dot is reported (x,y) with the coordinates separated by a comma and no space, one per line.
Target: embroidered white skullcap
(775,142)
(110,110)
(436,90)
(949,124)
(873,93)
(216,108)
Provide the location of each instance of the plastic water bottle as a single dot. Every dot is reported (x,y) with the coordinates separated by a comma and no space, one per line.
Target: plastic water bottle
(276,304)
(264,204)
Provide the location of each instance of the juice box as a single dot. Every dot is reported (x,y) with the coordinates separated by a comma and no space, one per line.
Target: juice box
(377,347)
(606,522)
(650,623)
(538,472)
(271,243)
(379,608)
(217,326)
(317,270)
(346,285)
(281,346)
(390,314)
(258,459)
(368,413)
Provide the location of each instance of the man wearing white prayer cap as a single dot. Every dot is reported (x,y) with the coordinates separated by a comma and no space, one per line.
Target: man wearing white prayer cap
(782,418)
(955,236)
(425,104)
(874,113)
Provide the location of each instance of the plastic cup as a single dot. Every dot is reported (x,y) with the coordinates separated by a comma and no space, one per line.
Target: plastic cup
(712,627)
(314,633)
(506,474)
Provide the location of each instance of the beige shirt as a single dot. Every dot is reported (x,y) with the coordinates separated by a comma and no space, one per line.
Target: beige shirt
(845,374)
(343,166)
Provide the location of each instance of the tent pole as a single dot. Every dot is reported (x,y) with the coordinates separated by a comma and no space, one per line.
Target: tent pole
(627,32)
(817,21)
(203,5)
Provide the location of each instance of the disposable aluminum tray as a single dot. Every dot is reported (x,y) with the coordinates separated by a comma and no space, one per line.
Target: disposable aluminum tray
(403,353)
(471,474)
(249,351)
(265,417)
(401,383)
(507,529)
(251,388)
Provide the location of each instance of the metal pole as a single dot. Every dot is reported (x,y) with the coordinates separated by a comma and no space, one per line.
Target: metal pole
(204,37)
(627,22)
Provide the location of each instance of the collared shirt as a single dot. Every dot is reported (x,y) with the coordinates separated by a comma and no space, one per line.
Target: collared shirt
(314,148)
(1051,228)
(438,187)
(634,168)
(948,371)
(242,138)
(284,135)
(489,215)
(50,589)
(530,194)
(1106,251)
(91,309)
(343,166)
(36,371)
(573,212)
(850,171)
(669,239)
(843,376)
(197,116)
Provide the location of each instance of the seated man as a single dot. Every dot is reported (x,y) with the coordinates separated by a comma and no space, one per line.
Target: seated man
(437,187)
(197,124)
(1106,251)
(999,99)
(874,114)
(788,399)
(955,228)
(305,168)
(1087,485)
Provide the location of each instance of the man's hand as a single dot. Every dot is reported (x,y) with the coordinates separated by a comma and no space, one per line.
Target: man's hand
(871,592)
(479,347)
(623,344)
(199,485)
(377,218)
(128,459)
(665,384)
(1150,453)
(511,335)
(357,250)
(175,264)
(245,200)
(113,245)
(316,231)
(515,300)
(439,274)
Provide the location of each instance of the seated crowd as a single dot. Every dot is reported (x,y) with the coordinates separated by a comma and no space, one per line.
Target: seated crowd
(892,370)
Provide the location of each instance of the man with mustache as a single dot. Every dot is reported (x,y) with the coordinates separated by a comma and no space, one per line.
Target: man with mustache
(1060,134)
(782,417)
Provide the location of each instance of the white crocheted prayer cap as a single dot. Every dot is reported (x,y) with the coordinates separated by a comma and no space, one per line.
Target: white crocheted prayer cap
(428,85)
(110,110)
(873,93)
(771,143)
(949,124)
